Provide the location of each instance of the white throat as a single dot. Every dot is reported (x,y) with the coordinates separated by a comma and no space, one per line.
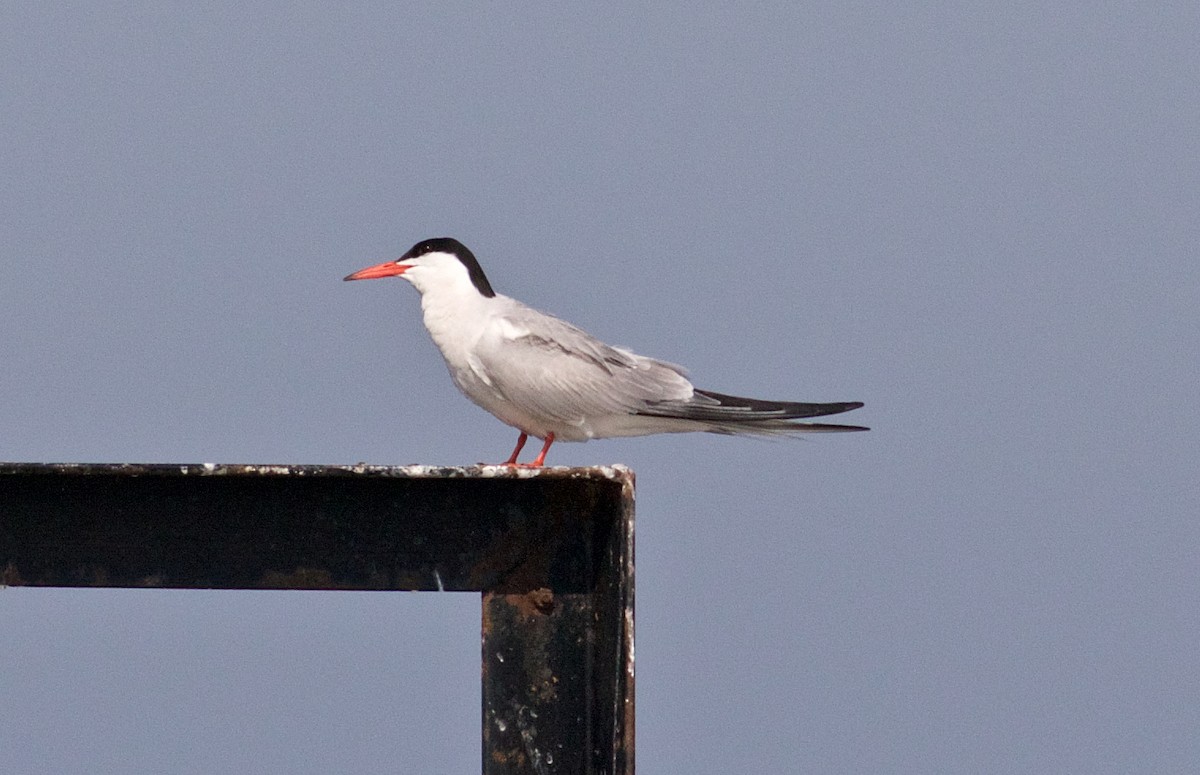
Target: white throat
(455,312)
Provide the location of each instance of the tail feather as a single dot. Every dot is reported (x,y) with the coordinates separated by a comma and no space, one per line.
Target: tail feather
(734,414)
(780,409)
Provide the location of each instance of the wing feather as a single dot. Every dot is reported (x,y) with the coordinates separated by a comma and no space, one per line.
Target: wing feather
(552,369)
(558,376)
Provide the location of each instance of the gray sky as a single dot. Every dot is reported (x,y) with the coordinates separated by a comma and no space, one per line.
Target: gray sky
(981,220)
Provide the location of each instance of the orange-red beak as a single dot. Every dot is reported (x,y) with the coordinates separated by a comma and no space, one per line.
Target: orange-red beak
(386,269)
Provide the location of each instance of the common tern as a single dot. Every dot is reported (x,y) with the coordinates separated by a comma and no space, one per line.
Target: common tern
(555,382)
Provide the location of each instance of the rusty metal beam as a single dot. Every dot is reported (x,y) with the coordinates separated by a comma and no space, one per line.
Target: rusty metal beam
(526,632)
(551,551)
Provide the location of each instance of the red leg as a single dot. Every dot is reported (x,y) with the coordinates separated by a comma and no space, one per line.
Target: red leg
(541,458)
(512,460)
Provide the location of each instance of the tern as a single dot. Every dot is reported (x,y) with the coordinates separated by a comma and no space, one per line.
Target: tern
(555,382)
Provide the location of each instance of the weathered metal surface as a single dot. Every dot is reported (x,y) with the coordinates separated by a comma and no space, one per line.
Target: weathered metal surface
(550,549)
(548,655)
(292,527)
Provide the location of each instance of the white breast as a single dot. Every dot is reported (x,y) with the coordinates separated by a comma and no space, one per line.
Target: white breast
(460,327)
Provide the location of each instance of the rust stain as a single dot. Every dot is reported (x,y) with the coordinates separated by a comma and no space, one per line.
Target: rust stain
(537,602)
(99,576)
(11,576)
(299,578)
(511,756)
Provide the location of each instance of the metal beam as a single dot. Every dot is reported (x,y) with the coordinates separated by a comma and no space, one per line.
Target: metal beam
(550,550)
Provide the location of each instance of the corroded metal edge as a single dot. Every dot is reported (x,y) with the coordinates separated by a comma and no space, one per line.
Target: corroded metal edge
(558,665)
(624,731)
(615,472)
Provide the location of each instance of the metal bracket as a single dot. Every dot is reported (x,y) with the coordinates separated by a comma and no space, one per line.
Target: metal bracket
(551,551)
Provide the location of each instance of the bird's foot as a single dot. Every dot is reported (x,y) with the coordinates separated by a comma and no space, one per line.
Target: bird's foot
(538,462)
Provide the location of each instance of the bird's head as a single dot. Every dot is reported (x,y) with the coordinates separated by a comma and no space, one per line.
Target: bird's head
(442,263)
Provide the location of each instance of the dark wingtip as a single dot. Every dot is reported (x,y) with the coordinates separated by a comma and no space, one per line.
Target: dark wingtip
(821,426)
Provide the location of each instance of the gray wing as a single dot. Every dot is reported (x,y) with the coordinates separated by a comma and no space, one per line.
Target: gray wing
(549,368)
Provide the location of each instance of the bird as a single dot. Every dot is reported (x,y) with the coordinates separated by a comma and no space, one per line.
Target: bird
(556,382)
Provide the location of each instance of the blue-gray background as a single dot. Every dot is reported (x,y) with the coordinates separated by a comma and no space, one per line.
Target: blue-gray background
(979,219)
